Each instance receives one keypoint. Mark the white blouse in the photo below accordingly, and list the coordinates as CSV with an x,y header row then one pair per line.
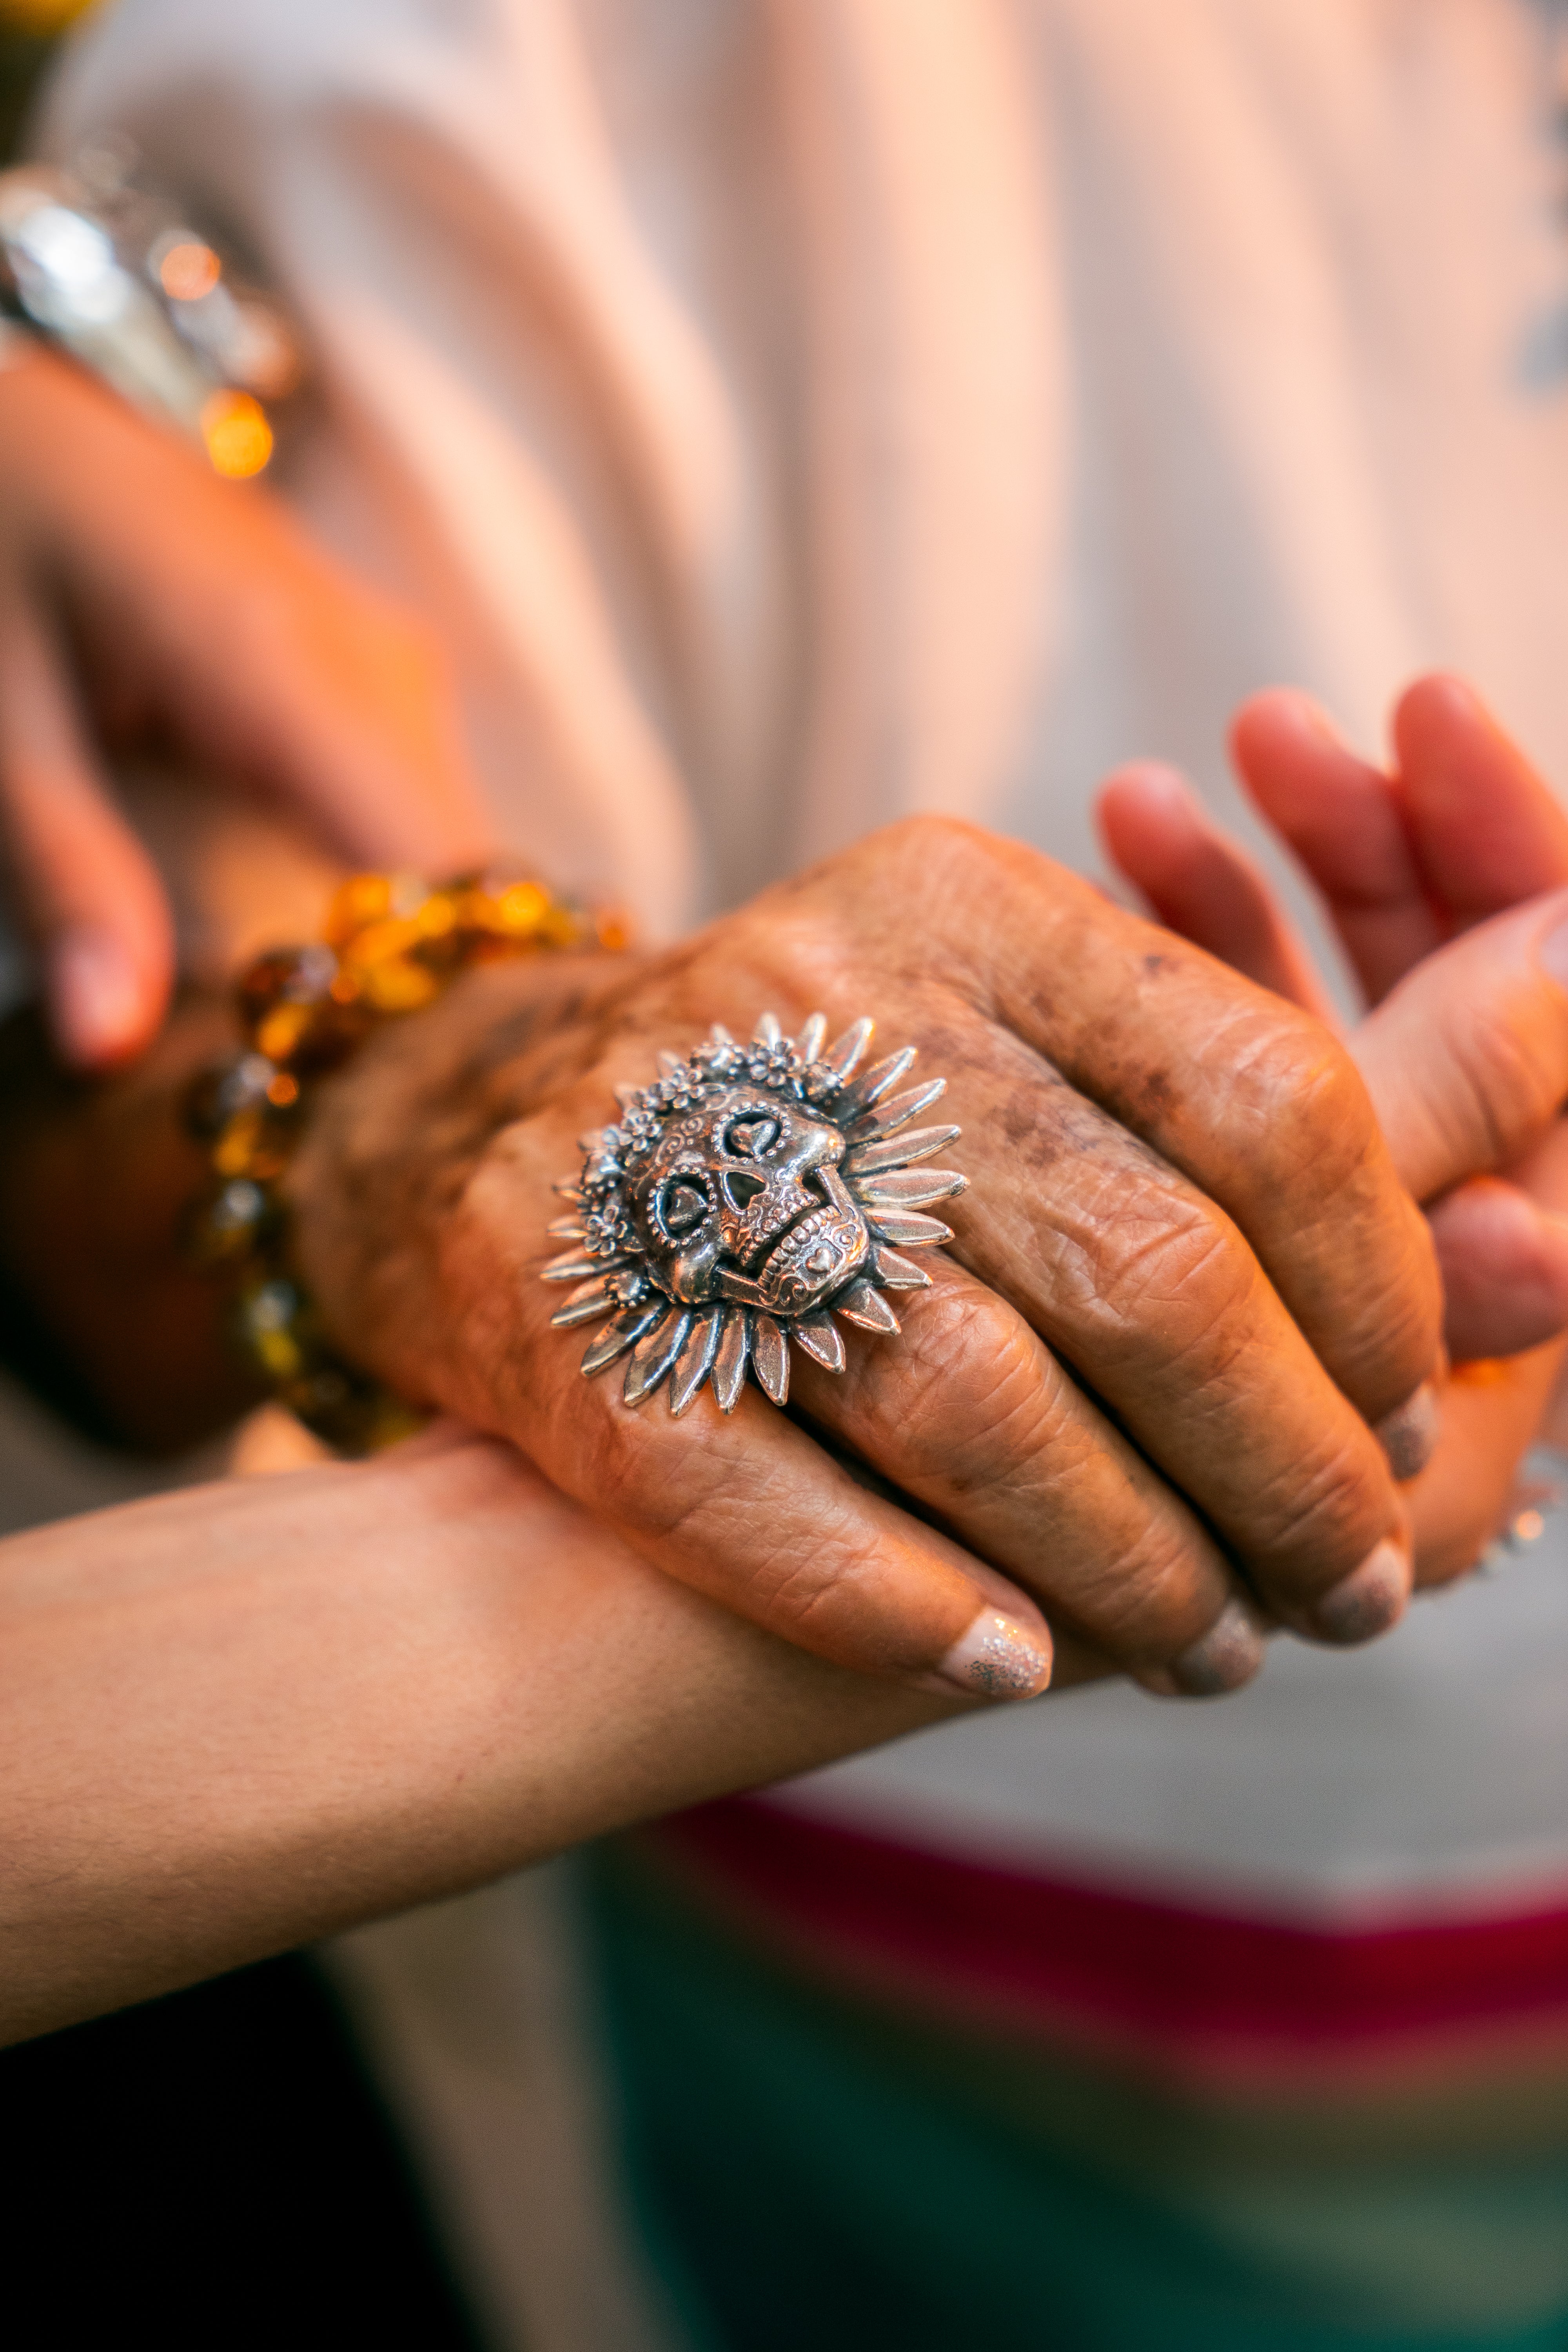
x,y
796,412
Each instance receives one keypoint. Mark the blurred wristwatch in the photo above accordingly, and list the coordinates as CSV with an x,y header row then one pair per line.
x,y
107,269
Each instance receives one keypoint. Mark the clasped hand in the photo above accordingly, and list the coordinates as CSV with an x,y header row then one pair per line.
x,y
1139,1403
1188,1285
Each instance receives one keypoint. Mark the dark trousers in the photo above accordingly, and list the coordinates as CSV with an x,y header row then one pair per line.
x,y
216,2168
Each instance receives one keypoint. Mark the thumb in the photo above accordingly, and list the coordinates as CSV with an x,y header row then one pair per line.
x,y
86,892
1467,1060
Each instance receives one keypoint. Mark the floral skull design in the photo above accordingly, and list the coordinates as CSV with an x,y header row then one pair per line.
x,y
744,1201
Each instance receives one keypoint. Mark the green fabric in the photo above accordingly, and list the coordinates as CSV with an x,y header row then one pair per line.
x,y
808,2171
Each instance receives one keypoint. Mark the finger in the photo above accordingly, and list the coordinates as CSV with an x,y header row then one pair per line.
x,y
970,1415
1485,830
369,749
1491,1411
1138,1280
342,710
1250,1098
87,892
746,1508
1504,1262
1341,818
1468,1059
1202,884
1505,1270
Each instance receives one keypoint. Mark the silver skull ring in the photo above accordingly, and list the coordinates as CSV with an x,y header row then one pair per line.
x,y
745,1198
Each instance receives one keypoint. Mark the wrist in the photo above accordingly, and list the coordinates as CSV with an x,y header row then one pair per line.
x,y
342,1101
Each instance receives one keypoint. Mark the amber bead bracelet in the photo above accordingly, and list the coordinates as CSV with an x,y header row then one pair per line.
x,y
392,943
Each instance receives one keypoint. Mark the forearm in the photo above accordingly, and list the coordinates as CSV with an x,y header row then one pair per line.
x,y
244,1716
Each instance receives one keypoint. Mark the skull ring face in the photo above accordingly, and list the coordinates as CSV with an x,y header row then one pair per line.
x,y
742,1202
745,1200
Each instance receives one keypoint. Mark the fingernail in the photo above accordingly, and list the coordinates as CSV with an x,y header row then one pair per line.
x,y
996,1659
95,996
1367,1602
1225,1657
1409,1434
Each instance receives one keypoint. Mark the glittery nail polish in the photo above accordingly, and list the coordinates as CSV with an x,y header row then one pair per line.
x,y
1225,1657
1367,1602
1410,1433
995,1658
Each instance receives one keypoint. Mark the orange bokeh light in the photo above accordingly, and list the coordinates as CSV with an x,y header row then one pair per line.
x,y
189,270
238,437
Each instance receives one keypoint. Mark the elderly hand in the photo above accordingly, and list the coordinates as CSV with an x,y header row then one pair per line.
x,y
1466,1054
145,604
1185,1286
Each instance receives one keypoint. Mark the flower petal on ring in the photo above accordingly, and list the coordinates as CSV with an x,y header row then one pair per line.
x,y
907,1188
909,1228
876,1080
587,1304
770,1359
574,1266
897,1110
844,1055
818,1335
730,1364
694,1360
654,1354
624,1333
899,1150
901,1273
860,1304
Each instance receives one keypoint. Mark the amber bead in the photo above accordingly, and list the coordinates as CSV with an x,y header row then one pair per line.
x,y
268,1313
402,986
362,898
326,1035
392,943
229,1087
279,1032
379,942
251,1145
301,976
226,1224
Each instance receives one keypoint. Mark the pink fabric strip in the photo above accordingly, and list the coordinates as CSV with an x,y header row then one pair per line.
x,y
1192,1986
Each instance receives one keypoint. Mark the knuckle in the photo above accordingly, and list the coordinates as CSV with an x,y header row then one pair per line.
x,y
931,844
1149,1599
1310,1120
1493,1090
1315,1516
1168,1271
944,867
973,1386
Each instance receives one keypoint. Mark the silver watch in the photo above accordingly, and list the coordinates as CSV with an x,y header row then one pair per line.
x,y
116,274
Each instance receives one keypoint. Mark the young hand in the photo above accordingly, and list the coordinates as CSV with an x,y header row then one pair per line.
x,y
146,604
1466,1050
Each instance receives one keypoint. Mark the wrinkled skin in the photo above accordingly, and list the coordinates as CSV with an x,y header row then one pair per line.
x,y
1186,1282
1443,874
